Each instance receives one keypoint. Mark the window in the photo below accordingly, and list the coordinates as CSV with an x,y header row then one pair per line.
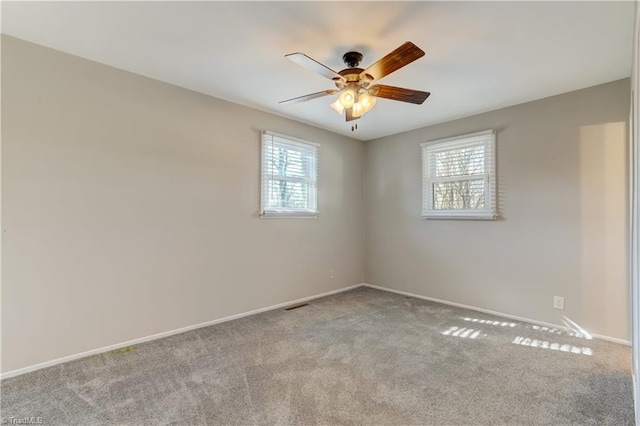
x,y
458,177
289,177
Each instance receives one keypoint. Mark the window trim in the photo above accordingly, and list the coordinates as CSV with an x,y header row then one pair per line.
x,y
430,147
285,213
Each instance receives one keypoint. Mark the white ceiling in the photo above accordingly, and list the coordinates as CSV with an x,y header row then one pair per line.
x,y
480,55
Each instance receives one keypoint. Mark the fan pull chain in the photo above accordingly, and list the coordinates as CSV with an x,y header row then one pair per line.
x,y
354,127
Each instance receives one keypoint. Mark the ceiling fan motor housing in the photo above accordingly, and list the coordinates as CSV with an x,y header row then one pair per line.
x,y
352,59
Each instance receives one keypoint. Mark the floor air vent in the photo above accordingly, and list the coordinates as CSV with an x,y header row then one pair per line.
x,y
291,308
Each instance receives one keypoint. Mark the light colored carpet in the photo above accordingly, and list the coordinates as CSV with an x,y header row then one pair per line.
x,y
361,357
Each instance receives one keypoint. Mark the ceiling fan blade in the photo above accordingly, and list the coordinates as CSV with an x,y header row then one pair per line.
x,y
395,60
313,65
398,94
306,98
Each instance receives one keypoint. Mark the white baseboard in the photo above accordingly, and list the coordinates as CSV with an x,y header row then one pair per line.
x,y
109,348
636,397
500,314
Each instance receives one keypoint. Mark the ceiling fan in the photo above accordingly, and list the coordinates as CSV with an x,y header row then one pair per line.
x,y
357,94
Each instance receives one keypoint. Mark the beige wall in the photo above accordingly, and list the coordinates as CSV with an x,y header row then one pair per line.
x,y
562,173
130,208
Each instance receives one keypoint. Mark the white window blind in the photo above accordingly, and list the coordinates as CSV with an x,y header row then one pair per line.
x,y
458,177
289,176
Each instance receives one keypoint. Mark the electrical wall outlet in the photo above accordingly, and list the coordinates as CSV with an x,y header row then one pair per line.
x,y
558,302
330,274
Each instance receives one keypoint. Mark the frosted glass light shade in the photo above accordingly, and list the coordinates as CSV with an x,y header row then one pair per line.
x,y
348,98
367,101
358,110
338,107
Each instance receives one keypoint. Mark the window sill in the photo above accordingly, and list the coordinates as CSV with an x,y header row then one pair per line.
x,y
288,215
463,216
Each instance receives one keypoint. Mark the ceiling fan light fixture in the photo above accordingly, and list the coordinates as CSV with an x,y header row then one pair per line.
x,y
364,105
356,96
